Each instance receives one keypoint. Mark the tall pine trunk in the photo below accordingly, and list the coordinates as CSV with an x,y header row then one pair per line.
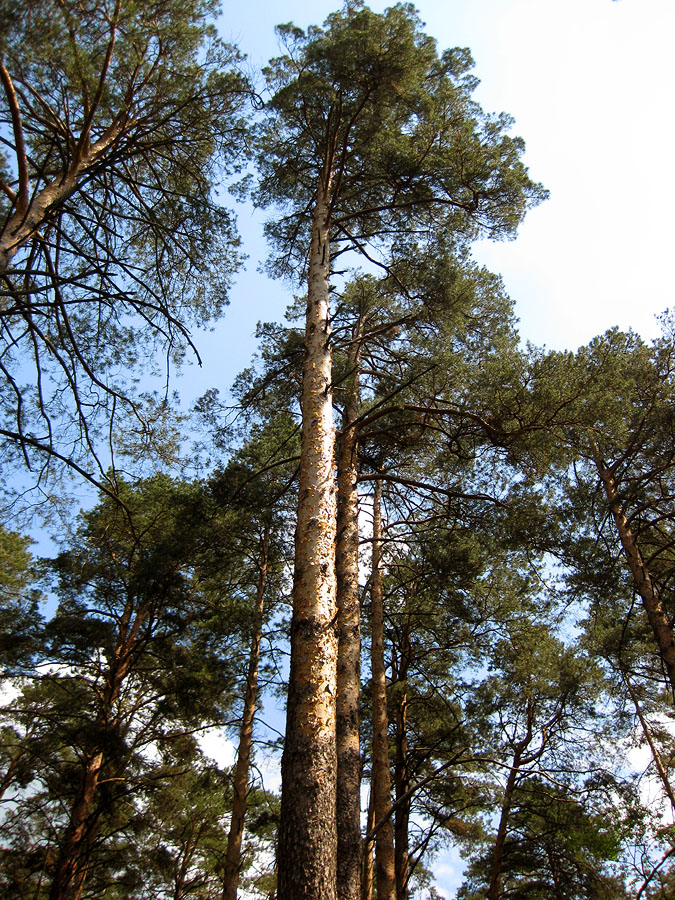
x,y
348,811
307,831
368,848
70,872
75,849
385,870
233,853
73,860
401,775
497,862
656,614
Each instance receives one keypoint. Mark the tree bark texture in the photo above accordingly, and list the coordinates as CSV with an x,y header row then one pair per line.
x,y
73,861
307,833
656,614
495,885
234,838
348,810
368,848
385,869
401,775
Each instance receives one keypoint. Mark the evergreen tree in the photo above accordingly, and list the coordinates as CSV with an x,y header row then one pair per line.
x,y
119,120
20,614
370,132
132,661
561,844
256,488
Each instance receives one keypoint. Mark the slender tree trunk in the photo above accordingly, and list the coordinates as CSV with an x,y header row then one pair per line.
x,y
233,853
495,888
73,861
307,832
181,885
646,730
555,871
656,614
519,760
348,811
401,775
381,779
368,848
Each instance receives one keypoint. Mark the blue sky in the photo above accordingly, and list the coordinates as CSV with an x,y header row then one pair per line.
x,y
589,83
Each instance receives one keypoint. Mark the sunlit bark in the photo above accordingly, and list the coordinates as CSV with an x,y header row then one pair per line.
x,y
307,832
656,614
385,871
348,810
368,849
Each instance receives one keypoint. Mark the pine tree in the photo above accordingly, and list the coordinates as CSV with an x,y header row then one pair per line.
x,y
131,660
119,120
371,135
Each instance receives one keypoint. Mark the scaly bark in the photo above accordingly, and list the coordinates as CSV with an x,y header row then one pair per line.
x,y
368,848
385,869
656,614
401,774
348,806
307,832
233,853
71,868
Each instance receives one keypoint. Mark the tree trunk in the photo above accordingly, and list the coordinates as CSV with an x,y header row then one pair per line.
x,y
401,775
656,614
307,832
368,848
33,209
519,759
646,730
495,888
182,887
348,811
233,853
73,861
381,779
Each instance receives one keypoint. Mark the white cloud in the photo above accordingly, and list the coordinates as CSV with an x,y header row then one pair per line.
x,y
215,744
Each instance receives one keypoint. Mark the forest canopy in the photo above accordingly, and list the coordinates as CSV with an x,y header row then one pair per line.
x,y
442,555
